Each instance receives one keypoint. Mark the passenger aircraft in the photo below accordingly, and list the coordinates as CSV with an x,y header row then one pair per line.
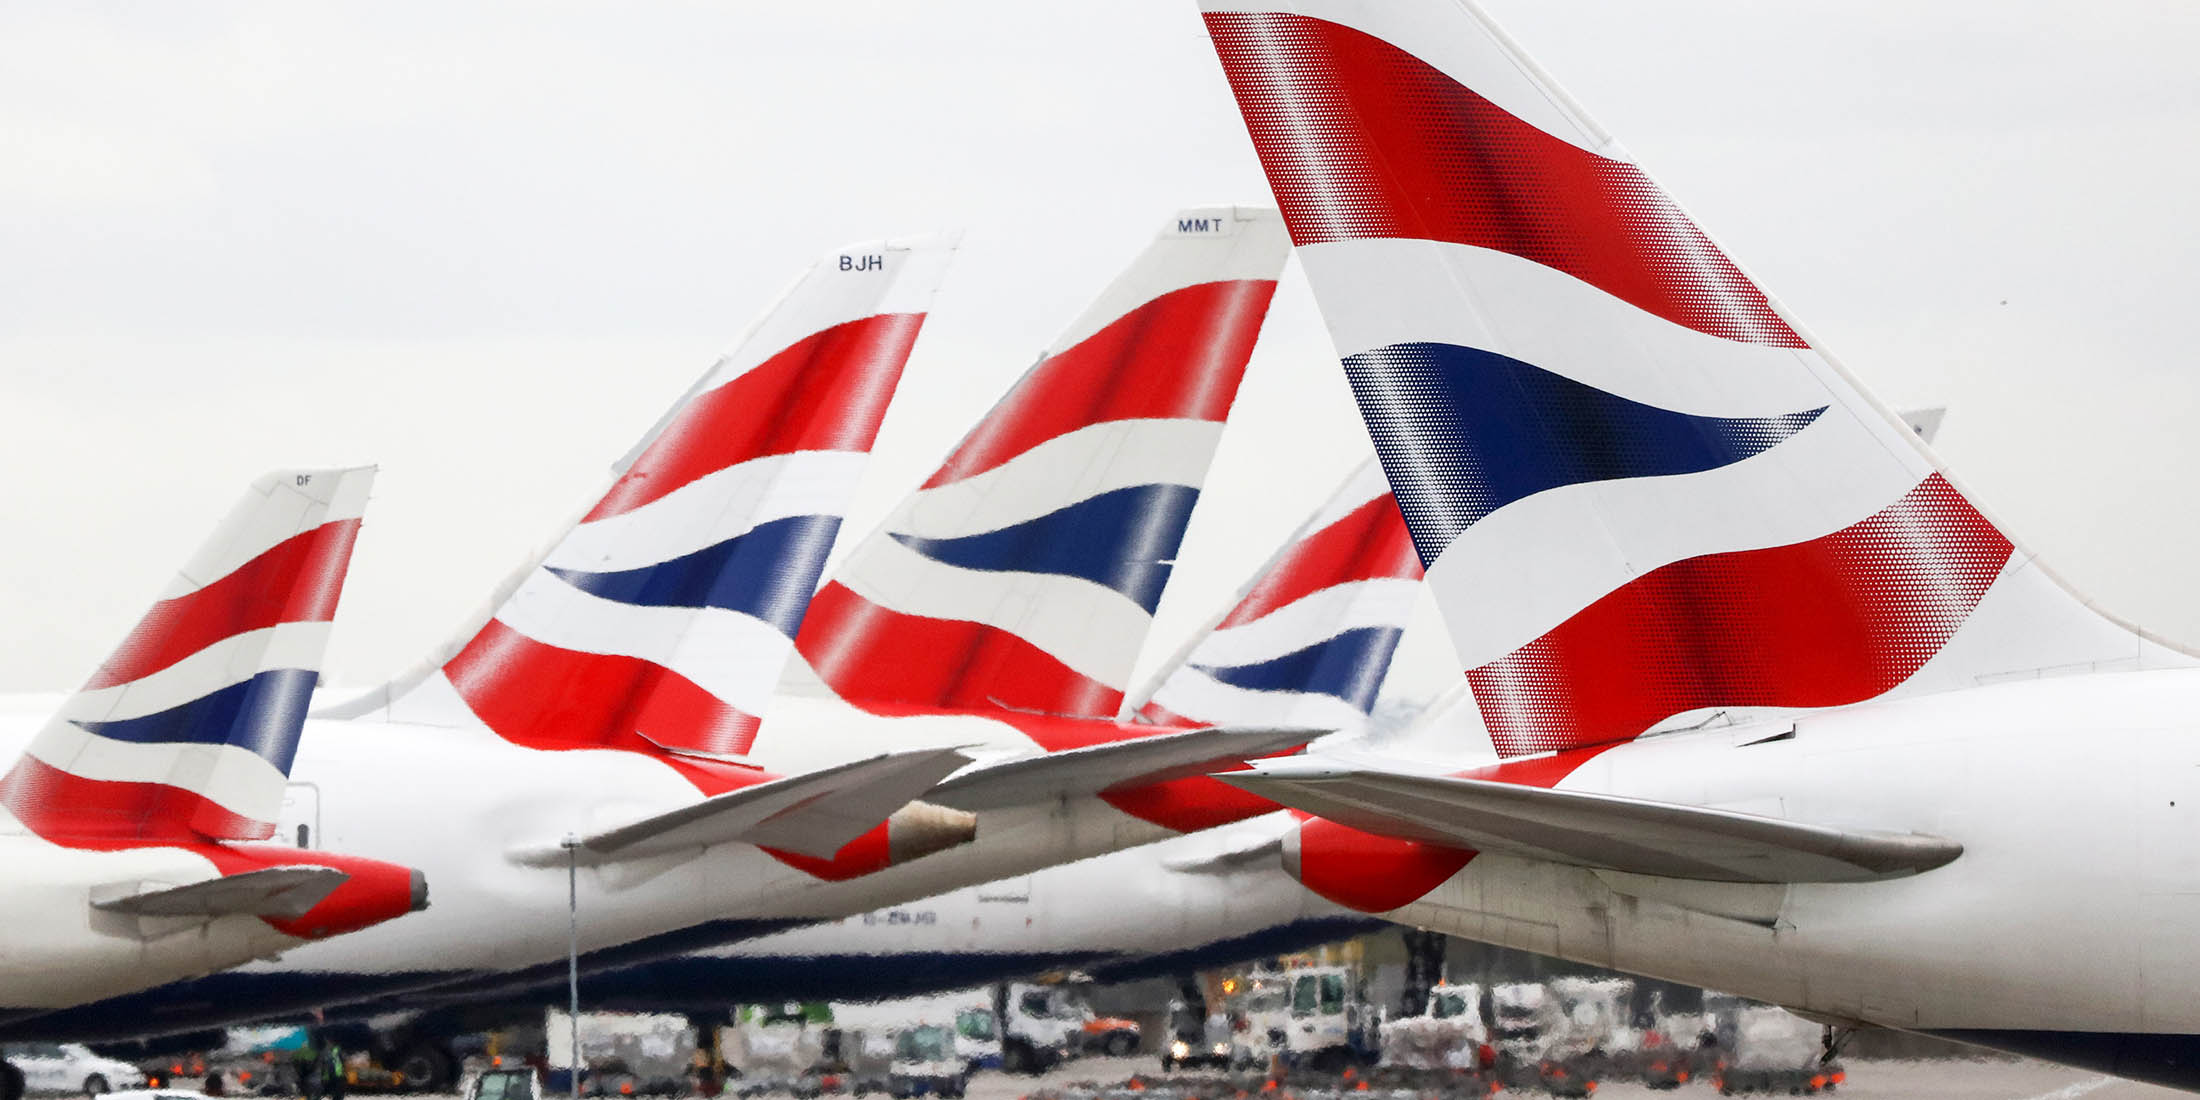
x,y
629,670
125,826
1777,710
1307,644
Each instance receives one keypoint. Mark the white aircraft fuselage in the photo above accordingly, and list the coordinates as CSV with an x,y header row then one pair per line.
x,y
60,950
482,819
2076,801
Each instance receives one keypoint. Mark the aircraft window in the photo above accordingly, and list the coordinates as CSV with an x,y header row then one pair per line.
x,y
500,1086
925,1043
305,836
975,1023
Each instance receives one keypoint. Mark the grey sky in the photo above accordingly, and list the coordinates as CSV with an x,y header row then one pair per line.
x,y
484,244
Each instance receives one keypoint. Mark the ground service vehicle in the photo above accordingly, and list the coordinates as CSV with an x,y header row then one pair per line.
x,y
1450,1032
1332,1026
926,1063
1524,1022
1041,1025
505,1084
1764,1048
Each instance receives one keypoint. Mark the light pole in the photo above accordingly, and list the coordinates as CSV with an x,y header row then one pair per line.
x,y
572,845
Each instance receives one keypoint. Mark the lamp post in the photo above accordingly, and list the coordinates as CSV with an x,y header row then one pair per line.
x,y
572,845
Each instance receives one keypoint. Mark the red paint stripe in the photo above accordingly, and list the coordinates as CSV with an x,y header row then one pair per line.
x,y
1177,357
1363,140
861,856
1832,621
375,892
297,580
883,661
1155,714
96,813
826,392
1371,873
1190,804
1184,805
544,697
1375,874
1369,542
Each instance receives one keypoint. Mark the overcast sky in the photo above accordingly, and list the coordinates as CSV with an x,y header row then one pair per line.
x,y
484,245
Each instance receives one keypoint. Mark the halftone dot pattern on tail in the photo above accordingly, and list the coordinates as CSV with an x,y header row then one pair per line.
x,y
187,731
1466,432
1023,575
1834,621
1362,139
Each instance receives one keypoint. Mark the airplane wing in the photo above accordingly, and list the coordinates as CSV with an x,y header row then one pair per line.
x,y
1601,831
812,814
282,892
1091,770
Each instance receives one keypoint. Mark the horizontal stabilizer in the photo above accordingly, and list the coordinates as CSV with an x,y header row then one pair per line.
x,y
282,892
1075,773
813,814
1602,831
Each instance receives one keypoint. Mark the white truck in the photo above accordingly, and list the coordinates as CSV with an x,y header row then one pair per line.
x,y
1331,1023
1524,1020
1594,1039
1260,1015
1042,1024
1762,1048
1449,1033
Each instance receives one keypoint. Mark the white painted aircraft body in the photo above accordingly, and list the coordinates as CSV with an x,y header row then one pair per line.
x,y
1760,700
121,815
484,809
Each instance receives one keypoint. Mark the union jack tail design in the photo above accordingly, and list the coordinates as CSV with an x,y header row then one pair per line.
x,y
185,734
1025,572
1642,494
662,620
1309,642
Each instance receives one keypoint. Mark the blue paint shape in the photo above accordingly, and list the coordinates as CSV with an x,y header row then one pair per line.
x,y
263,715
1125,540
768,571
1349,666
1463,432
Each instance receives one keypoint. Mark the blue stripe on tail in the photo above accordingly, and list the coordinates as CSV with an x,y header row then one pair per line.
x,y
768,572
262,715
1126,540
1349,666
1464,432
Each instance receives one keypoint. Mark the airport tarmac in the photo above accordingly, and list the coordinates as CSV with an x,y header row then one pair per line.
x,y
1931,1080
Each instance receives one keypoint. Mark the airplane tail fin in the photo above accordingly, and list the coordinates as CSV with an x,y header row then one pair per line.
x,y
1309,642
1642,494
662,619
187,731
1024,574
